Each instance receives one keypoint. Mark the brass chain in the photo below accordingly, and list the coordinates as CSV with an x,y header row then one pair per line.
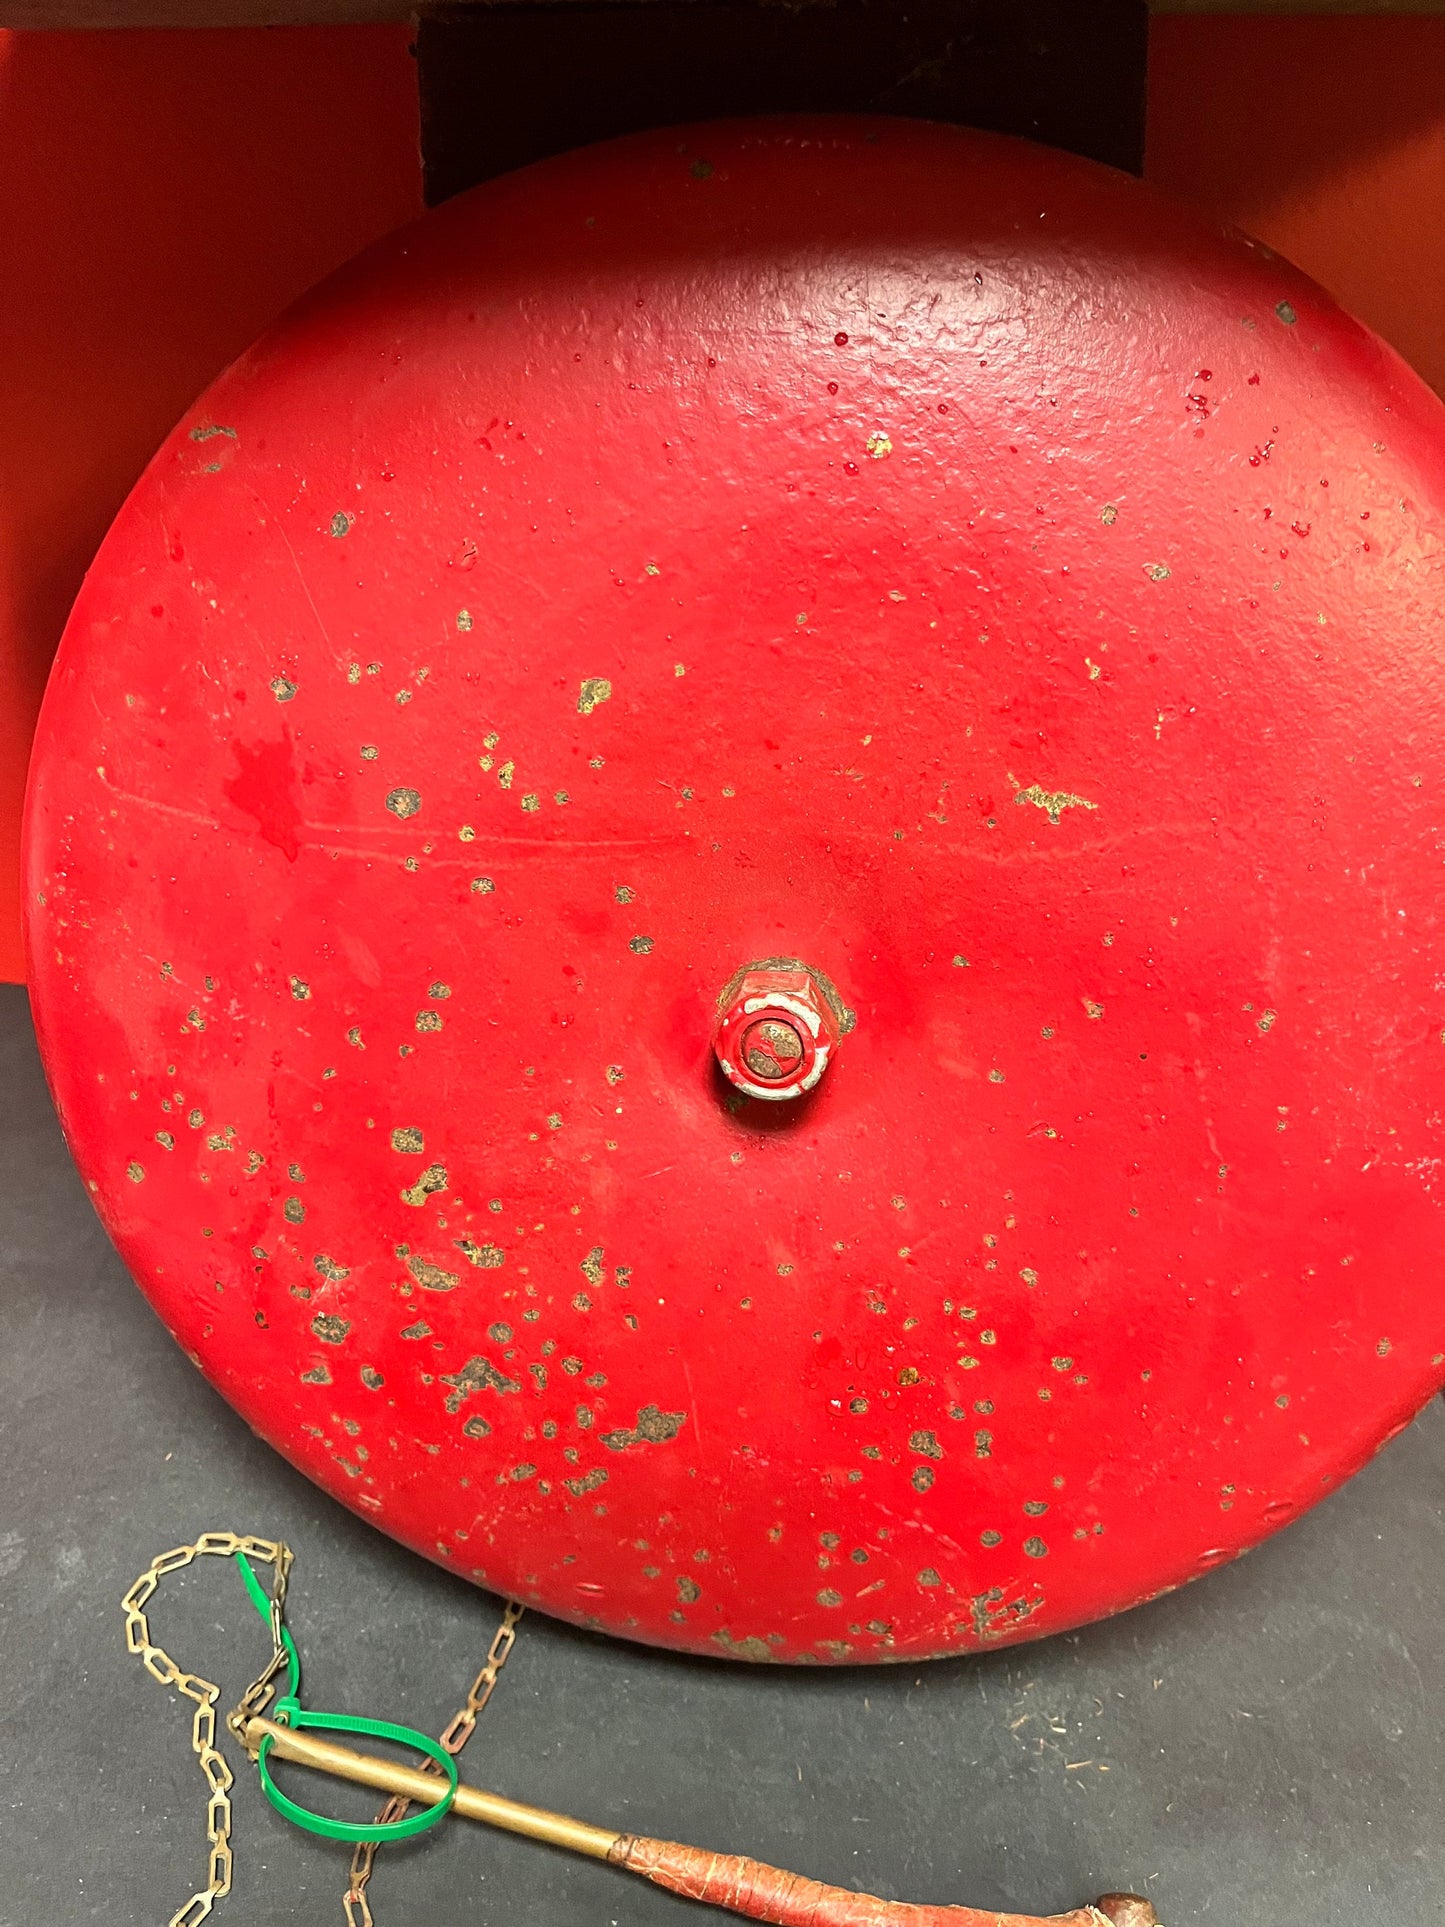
x,y
161,1667
354,1903
205,1693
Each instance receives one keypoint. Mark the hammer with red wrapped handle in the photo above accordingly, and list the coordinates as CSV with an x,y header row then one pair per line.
x,y
741,1885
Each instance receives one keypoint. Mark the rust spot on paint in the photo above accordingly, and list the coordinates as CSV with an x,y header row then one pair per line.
x,y
750,1647
489,1257
431,1277
434,1178
653,1427
1053,802
477,1375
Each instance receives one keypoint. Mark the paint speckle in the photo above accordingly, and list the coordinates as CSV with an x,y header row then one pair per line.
x,y
135,1172
282,689
294,1211
403,802
640,945
653,1427
329,1328
434,1178
1036,1549
477,1375
879,446
482,886
1053,802
594,690
488,1257
432,1277
341,523
1109,514
1286,313
1267,1020
1157,571
407,1139
300,989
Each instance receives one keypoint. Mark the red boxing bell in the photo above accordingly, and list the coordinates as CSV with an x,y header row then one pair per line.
x,y
660,587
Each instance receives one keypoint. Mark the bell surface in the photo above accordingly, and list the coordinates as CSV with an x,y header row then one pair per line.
x,y
732,885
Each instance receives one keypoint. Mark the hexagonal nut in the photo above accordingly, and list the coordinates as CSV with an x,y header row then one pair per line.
x,y
777,1028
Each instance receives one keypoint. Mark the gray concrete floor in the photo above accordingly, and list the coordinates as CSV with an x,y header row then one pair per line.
x,y
1264,1747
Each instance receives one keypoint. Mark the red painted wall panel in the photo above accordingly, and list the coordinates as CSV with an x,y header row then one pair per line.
x,y
164,196
1326,138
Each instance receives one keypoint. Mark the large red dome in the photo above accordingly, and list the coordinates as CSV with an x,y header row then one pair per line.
x,y
920,558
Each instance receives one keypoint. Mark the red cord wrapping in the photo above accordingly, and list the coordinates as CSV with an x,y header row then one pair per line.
x,y
767,1893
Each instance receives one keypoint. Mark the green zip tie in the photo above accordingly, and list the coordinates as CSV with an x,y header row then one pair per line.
x,y
288,1711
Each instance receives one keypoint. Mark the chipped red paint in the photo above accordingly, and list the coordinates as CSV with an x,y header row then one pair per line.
x,y
918,553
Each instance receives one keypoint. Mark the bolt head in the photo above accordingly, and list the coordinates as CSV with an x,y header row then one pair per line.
x,y
776,1031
